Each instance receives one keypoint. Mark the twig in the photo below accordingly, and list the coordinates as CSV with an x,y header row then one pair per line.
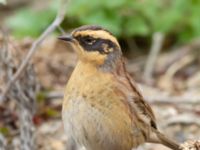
x,y
57,21
177,66
151,99
173,99
180,52
61,30
54,95
154,52
2,142
183,119
194,80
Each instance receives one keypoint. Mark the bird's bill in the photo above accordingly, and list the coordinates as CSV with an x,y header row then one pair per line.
x,y
67,38
72,41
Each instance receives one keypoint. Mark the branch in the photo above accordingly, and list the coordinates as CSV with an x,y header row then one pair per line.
x,y
173,99
180,52
57,21
2,142
155,49
151,99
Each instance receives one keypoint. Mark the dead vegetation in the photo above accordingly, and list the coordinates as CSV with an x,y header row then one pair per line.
x,y
33,74
173,94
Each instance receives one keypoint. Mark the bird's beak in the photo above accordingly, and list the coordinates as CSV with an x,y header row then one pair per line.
x,y
67,38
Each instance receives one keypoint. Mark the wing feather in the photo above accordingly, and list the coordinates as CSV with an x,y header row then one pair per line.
x,y
133,96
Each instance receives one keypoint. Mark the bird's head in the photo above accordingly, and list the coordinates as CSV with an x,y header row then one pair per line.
x,y
95,45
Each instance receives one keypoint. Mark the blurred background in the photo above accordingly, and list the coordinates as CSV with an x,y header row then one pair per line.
x,y
160,41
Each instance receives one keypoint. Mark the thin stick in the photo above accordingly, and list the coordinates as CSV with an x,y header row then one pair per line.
x,y
151,99
154,52
57,21
2,142
186,100
61,30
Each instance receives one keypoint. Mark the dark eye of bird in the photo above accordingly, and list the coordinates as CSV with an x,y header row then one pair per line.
x,y
89,40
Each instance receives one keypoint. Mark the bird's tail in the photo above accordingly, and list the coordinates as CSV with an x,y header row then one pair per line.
x,y
157,137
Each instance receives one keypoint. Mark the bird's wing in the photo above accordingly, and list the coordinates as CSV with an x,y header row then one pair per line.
x,y
142,105
134,98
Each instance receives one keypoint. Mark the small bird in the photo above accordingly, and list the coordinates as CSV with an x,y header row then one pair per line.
x,y
102,107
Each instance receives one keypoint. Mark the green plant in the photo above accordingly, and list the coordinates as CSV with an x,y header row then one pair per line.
x,y
141,17
125,18
29,22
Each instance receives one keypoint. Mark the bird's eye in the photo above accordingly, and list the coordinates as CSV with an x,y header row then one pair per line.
x,y
89,40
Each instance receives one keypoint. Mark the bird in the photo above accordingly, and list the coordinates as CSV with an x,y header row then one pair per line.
x,y
102,107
